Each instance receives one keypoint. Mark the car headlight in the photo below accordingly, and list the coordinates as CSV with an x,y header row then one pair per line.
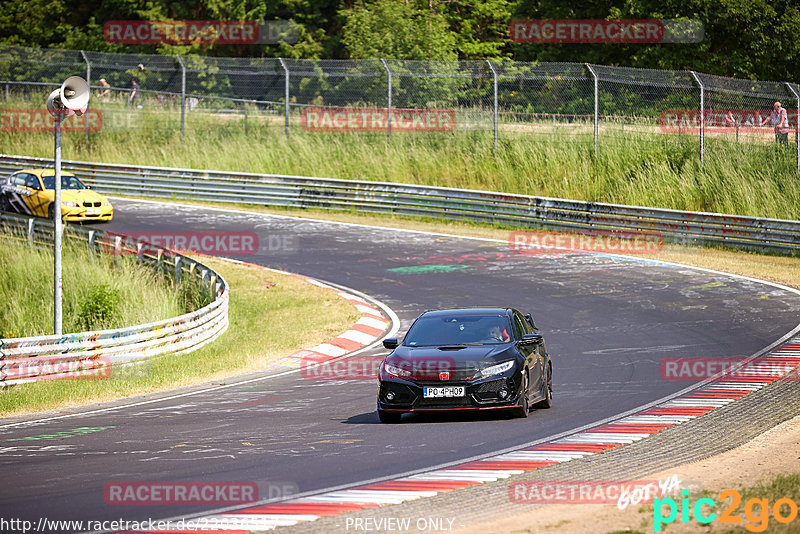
x,y
495,369
69,204
396,371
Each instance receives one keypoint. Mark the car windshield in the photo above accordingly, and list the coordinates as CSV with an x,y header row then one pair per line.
x,y
457,329
67,182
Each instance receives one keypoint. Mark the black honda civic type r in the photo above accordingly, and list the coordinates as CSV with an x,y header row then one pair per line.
x,y
466,359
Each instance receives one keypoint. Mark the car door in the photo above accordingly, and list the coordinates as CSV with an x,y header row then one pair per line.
x,y
17,193
38,201
532,352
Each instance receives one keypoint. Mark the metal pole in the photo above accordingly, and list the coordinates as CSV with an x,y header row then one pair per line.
x,y
596,106
797,123
57,229
389,100
494,119
183,94
702,117
286,97
88,81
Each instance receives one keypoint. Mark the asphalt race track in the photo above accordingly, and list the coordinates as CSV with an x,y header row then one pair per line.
x,y
607,320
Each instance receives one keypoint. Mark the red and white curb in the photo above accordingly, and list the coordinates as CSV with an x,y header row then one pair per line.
x,y
709,396
369,328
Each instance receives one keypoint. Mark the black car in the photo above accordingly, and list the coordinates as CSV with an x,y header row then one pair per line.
x,y
466,359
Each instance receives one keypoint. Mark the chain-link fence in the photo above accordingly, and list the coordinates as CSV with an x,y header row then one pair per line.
x,y
385,97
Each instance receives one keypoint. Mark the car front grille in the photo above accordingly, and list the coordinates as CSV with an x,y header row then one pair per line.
x,y
91,204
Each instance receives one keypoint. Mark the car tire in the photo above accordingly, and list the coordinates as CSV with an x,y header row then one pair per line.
x,y
50,210
5,205
547,402
389,418
525,409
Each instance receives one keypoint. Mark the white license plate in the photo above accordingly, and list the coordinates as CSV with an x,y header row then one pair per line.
x,y
93,211
447,391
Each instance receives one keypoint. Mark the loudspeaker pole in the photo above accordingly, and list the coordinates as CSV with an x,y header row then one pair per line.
x,y
72,97
57,289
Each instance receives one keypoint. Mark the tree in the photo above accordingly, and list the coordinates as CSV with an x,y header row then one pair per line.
x,y
397,29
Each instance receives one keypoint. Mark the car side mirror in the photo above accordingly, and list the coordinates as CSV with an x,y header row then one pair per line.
x,y
532,339
390,343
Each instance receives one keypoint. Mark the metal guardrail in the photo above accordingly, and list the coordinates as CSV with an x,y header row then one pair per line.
x,y
93,354
439,202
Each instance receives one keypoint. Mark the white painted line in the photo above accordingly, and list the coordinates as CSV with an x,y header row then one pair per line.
x,y
733,385
358,337
656,419
330,350
697,403
372,322
550,456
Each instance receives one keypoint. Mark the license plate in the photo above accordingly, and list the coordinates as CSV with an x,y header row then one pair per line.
x,y
93,211
447,391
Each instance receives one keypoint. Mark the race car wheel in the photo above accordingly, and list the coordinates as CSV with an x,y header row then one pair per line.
x,y
547,402
525,408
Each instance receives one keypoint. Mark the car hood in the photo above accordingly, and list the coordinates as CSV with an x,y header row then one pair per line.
x,y
425,363
81,195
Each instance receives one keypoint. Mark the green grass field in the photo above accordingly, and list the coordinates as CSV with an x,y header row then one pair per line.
x,y
98,292
642,168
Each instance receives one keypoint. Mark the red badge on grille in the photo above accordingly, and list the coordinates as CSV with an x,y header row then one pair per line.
x,y
444,375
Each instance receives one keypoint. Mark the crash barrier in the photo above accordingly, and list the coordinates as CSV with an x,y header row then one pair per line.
x,y
94,354
683,227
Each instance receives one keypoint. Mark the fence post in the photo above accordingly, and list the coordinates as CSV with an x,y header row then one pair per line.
x,y
89,82
596,106
797,123
702,117
494,118
183,93
286,97
388,100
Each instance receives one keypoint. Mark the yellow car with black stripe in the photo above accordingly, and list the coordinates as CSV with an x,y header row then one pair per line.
x,y
31,192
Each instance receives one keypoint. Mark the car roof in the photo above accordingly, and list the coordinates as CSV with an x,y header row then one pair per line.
x,y
469,311
45,172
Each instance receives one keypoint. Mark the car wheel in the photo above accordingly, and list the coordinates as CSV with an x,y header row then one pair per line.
x,y
547,402
525,409
50,209
5,205
389,418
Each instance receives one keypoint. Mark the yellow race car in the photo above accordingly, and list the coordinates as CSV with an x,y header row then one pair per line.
x,y
31,192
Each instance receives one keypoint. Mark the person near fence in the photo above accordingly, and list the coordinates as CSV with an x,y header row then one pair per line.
x,y
133,97
105,89
780,122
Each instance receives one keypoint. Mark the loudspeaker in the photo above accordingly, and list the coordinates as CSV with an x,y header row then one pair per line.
x,y
72,97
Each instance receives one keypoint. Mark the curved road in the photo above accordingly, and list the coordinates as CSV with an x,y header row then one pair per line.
x,y
608,321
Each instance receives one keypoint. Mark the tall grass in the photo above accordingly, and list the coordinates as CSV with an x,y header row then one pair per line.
x,y
98,291
640,168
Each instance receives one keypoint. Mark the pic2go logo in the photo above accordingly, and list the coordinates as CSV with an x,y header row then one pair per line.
x,y
756,511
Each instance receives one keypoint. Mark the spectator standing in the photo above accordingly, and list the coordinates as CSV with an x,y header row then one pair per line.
x,y
132,98
780,122
105,89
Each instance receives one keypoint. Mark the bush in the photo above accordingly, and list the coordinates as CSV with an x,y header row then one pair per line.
x,y
99,307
